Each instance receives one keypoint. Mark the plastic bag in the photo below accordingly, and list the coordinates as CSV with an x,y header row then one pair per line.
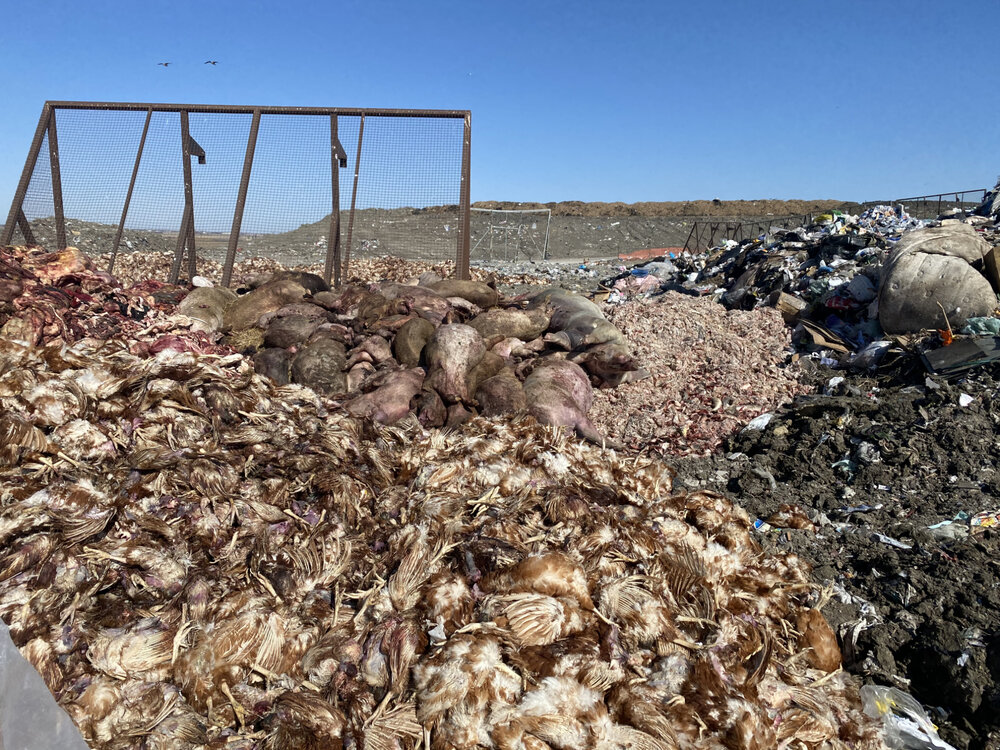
x,y
982,326
905,723
870,357
30,718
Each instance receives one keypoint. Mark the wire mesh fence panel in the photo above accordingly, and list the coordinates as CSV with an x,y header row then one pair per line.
x,y
289,201
157,205
408,192
932,206
96,158
215,178
506,234
267,172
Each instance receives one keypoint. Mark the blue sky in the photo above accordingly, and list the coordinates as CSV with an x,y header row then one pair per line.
x,y
627,101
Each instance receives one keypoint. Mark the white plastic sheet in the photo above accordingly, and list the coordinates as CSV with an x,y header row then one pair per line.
x,y
30,718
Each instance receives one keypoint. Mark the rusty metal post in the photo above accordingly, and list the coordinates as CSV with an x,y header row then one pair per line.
x,y
338,159
465,202
192,254
241,199
691,235
182,235
22,221
16,205
187,222
188,193
128,195
354,197
57,196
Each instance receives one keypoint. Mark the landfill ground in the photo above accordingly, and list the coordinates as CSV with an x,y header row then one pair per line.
x,y
886,482
913,610
583,231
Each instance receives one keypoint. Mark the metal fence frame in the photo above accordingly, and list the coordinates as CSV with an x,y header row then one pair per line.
x,y
507,232
703,234
335,265
940,199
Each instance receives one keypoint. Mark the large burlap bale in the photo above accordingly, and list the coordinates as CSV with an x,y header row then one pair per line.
x,y
931,266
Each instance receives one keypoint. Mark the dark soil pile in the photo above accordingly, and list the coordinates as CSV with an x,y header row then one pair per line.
x,y
873,463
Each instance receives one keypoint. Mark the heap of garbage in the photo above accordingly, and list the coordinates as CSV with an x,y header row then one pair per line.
x,y
857,287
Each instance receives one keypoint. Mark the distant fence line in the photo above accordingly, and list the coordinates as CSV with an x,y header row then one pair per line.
x,y
265,179
930,206
706,234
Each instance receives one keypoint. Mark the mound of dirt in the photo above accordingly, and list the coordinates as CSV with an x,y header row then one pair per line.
x,y
875,465
741,209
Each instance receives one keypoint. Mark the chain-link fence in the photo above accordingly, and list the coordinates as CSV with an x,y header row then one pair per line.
x,y
299,185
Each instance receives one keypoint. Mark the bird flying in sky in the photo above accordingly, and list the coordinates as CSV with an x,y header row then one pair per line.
x,y
164,64
211,62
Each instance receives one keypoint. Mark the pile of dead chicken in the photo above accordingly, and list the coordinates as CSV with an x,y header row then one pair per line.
x,y
445,351
194,556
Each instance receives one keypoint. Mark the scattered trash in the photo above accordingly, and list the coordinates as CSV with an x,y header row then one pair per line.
x,y
860,509
868,453
905,723
948,531
982,327
762,526
845,281
890,541
986,519
759,423
832,384
963,355
965,399
870,357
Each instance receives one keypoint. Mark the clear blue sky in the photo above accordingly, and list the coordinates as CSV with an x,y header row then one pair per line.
x,y
608,101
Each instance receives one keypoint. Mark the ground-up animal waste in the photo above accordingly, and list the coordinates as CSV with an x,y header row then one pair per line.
x,y
719,499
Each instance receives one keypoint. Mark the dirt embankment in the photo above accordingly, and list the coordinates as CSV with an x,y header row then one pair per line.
x,y
689,209
577,230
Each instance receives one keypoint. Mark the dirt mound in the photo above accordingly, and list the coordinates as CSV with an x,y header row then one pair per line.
x,y
876,464
690,209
